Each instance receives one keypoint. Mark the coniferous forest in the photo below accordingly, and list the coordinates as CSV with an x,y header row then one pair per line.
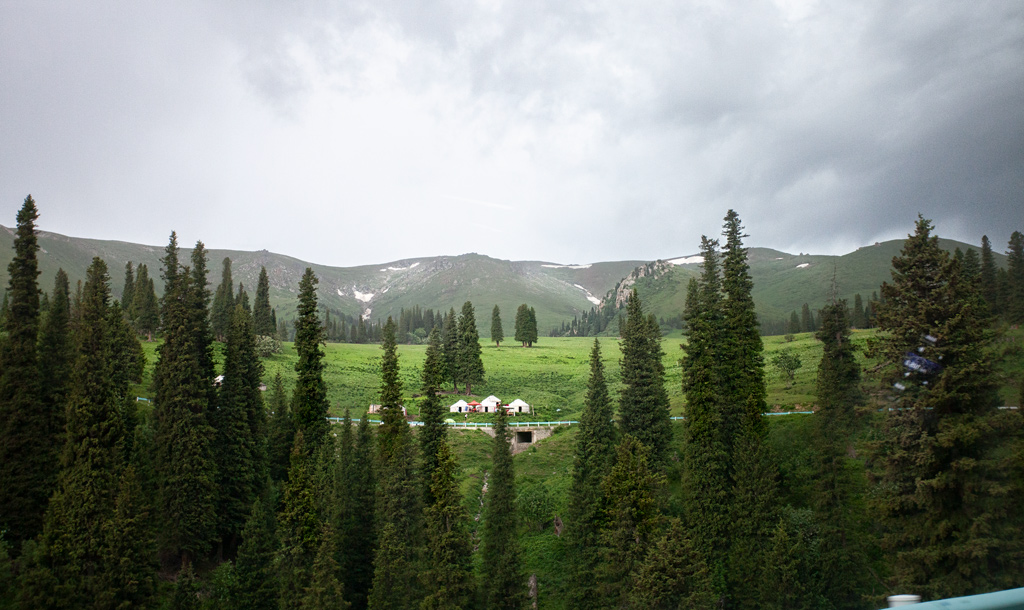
x,y
223,494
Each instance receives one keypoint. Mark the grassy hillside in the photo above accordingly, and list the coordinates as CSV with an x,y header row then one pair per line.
x,y
784,282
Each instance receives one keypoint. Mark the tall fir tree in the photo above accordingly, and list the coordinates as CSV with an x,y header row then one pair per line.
x,y
631,518
27,467
128,292
433,431
92,458
497,333
504,587
129,577
399,512
450,348
987,276
806,319
357,537
256,585
857,319
1015,278
448,581
56,359
145,305
469,362
309,399
522,329
841,561
325,590
706,473
531,318
183,380
643,401
239,421
938,449
280,431
223,303
299,525
592,459
262,314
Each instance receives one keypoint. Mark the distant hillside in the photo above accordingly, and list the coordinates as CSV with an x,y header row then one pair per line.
x,y
782,282
557,292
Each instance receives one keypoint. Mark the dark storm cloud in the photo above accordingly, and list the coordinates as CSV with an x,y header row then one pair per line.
x,y
592,131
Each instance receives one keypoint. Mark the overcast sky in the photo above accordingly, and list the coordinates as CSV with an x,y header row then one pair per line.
x,y
350,133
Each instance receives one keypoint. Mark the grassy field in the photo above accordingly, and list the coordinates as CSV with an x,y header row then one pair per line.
x,y
552,375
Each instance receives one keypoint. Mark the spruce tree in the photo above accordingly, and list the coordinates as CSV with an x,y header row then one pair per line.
x,y
706,473
433,431
56,359
672,575
129,577
262,314
448,581
256,584
450,348
504,585
92,458
27,468
838,392
531,318
806,319
128,292
239,423
1015,278
309,399
470,364
631,517
298,527
643,401
497,334
857,320
325,590
398,495
358,538
794,323
522,324
593,458
281,431
987,276
183,380
223,303
146,305
937,454
742,349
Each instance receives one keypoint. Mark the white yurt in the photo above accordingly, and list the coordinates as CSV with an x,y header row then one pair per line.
x,y
491,401
518,406
459,407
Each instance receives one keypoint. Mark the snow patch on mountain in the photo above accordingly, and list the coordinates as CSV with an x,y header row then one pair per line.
x,y
803,265
687,260
590,297
567,266
365,297
412,266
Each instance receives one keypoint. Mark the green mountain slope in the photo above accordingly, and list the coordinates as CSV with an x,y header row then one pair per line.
x,y
782,282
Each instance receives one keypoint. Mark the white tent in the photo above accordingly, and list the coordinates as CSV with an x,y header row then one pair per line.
x,y
518,406
459,407
491,401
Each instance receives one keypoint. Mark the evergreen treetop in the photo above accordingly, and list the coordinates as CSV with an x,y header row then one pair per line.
x,y
643,401
26,456
497,333
262,314
309,400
